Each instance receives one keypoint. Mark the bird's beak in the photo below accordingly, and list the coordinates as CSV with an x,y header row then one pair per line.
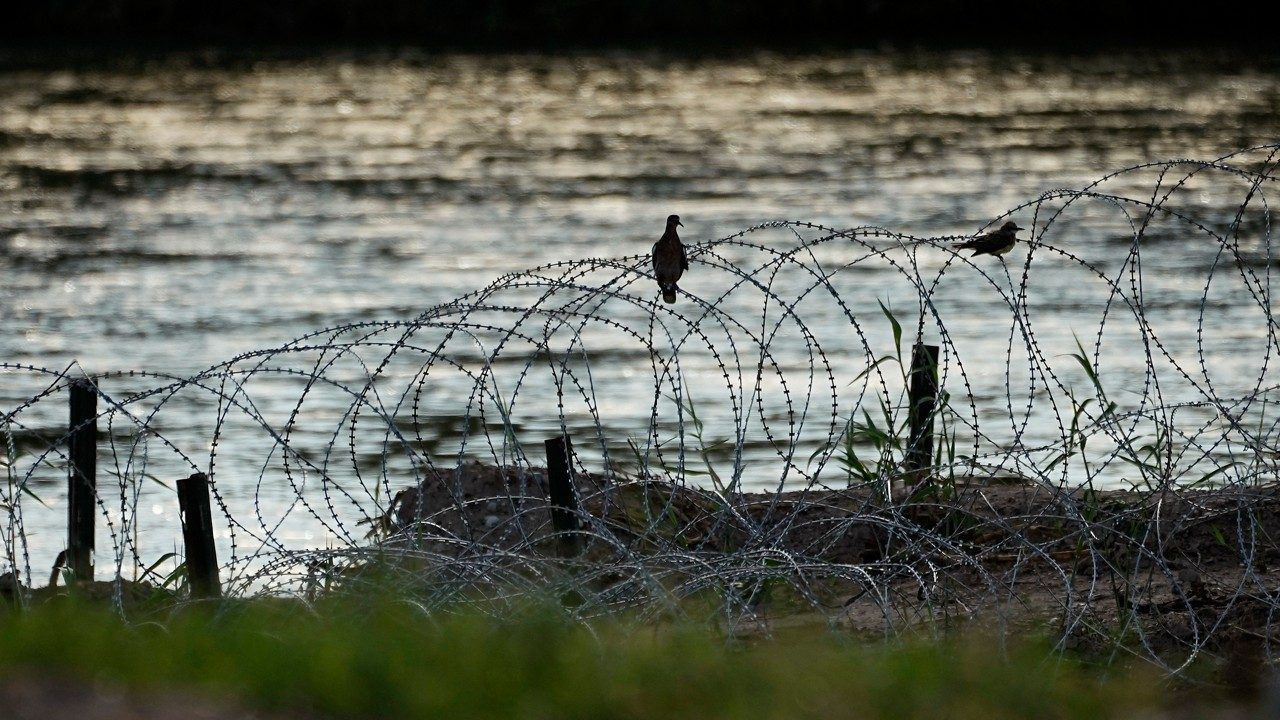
x,y
1015,227
680,223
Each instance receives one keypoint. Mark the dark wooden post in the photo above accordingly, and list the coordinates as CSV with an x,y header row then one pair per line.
x,y
564,504
197,535
82,477
923,397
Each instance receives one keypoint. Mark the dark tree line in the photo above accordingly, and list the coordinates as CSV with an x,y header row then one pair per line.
x,y
686,23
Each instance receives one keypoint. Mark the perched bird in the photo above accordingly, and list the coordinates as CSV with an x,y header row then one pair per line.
x,y
669,260
58,563
996,242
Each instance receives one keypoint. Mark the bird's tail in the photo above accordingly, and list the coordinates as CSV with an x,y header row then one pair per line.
x,y
669,293
58,563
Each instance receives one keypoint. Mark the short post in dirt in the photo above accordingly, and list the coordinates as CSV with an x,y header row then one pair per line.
x,y
923,396
564,502
82,477
197,535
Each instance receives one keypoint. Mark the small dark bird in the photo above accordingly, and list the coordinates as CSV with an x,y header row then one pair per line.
x,y
996,242
669,260
58,563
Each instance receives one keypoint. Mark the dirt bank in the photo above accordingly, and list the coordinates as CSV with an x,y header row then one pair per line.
x,y
1171,571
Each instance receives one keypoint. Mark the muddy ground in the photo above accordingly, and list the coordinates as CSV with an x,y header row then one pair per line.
x,y
1168,573
32,695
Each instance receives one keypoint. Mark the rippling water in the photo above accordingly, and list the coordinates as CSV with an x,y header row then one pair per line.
x,y
168,216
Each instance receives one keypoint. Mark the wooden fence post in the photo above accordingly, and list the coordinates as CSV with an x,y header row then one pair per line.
x,y
564,504
923,397
82,477
197,535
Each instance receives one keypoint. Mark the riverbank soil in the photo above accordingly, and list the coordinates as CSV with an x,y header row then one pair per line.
x,y
1168,572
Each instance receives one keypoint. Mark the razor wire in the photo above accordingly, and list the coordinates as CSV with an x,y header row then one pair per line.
x,y
1113,485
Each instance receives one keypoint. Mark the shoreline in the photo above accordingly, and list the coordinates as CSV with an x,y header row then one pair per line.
x,y
1072,561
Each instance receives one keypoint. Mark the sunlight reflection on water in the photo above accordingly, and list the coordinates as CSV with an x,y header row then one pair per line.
x,y
172,217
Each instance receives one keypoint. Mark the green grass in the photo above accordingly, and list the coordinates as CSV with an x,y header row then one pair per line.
x,y
387,659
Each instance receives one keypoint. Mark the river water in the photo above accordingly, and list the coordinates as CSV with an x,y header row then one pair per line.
x,y
168,215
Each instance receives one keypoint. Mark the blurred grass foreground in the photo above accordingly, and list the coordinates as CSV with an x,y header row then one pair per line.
x,y
384,659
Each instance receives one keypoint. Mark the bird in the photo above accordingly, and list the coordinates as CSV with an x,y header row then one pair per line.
x,y
58,563
996,242
669,260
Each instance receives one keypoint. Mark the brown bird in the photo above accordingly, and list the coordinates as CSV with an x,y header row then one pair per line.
x,y
669,260
996,242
